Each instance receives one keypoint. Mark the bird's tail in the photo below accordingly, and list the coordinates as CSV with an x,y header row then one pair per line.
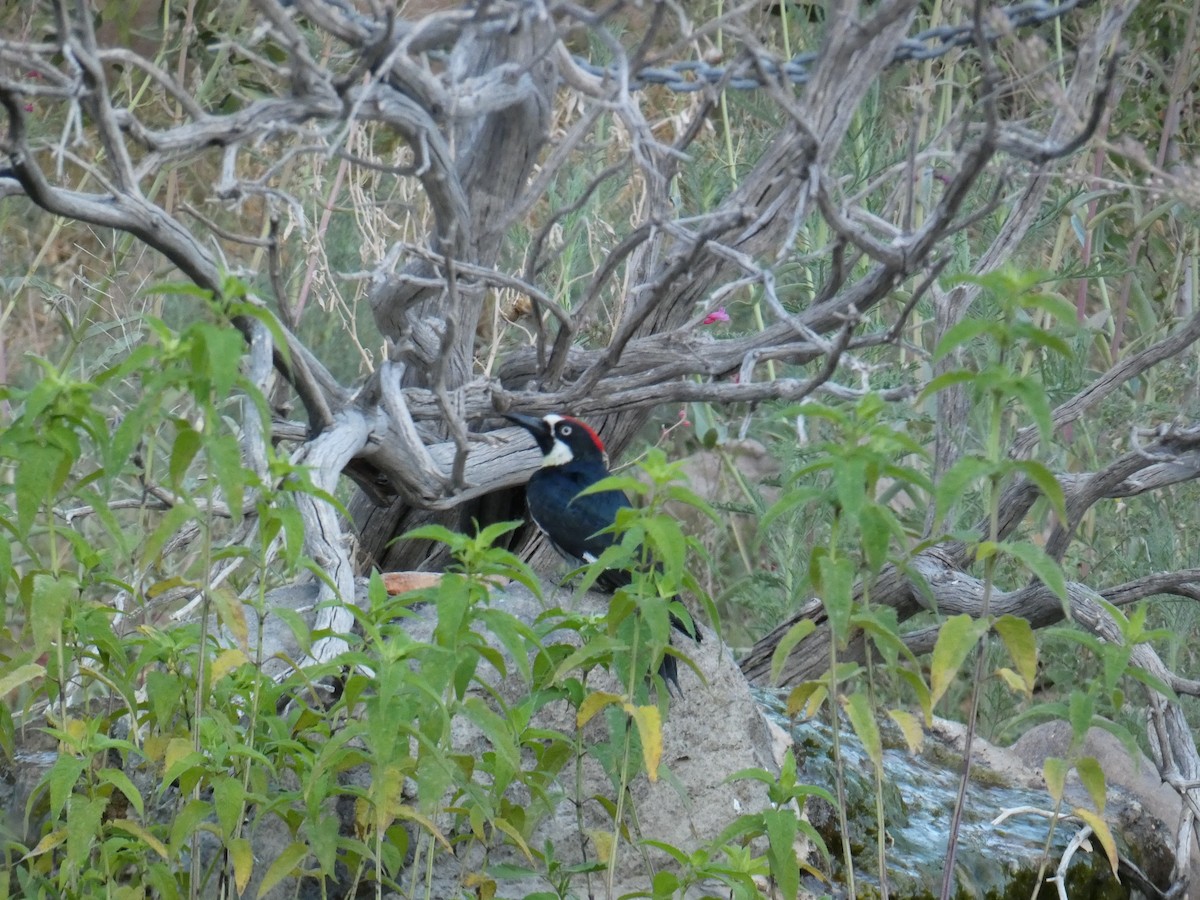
x,y
669,671
669,668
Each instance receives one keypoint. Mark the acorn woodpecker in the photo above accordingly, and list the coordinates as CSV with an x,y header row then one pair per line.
x,y
573,458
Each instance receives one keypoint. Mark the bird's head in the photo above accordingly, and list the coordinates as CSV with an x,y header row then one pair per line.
x,y
561,438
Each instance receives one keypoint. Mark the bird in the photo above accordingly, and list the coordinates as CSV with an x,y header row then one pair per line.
x,y
573,459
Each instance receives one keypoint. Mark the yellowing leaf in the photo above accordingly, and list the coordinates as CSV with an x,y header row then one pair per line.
x,y
1103,834
649,725
282,867
806,698
177,749
362,816
483,885
787,643
1055,772
592,704
49,842
1092,777
507,827
386,788
407,812
48,608
604,843
233,615
862,719
76,729
227,661
155,746
956,639
242,856
19,676
1018,638
1015,682
133,828
910,727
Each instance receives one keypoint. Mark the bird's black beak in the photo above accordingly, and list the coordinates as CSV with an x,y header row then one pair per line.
x,y
536,427
532,424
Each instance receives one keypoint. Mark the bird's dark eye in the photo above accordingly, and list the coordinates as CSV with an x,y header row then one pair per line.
x,y
564,430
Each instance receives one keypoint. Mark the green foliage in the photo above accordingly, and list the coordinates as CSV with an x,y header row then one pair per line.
x,y
86,591
175,749
863,457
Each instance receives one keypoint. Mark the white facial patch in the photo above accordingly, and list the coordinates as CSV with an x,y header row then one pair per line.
x,y
560,454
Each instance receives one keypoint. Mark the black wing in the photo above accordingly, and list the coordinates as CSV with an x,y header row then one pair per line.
x,y
572,522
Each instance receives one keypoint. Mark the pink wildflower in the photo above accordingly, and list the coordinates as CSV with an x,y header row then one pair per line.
x,y
717,315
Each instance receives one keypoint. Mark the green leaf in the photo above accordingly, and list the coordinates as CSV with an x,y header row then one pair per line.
x,y
625,483
183,451
226,458
862,719
780,825
877,525
787,643
121,782
498,732
1019,640
83,827
668,546
1054,770
1116,661
228,795
1092,777
283,866
133,828
48,608
963,332
223,347
490,534
38,477
437,533
62,778
1045,481
835,586
956,639
518,638
882,626
1043,567
921,689
1058,307
1032,394
6,569
1080,708
1153,682
172,520
22,674
514,835
164,692
850,486
966,473
792,499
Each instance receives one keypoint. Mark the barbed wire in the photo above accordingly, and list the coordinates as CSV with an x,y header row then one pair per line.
x,y
686,76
